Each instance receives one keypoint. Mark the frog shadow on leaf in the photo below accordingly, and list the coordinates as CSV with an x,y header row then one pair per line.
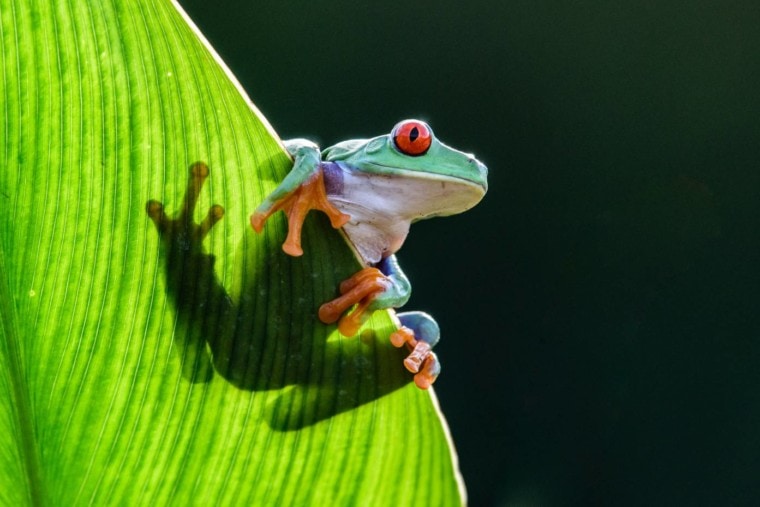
x,y
251,336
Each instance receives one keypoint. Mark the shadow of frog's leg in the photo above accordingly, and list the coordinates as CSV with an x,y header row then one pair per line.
x,y
183,220
199,299
420,333
302,190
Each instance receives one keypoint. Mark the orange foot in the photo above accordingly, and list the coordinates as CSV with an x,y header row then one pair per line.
x,y
360,290
296,205
421,361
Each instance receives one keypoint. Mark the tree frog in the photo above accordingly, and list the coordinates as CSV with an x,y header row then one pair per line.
x,y
374,189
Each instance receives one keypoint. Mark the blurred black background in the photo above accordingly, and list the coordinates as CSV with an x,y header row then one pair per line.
x,y
599,309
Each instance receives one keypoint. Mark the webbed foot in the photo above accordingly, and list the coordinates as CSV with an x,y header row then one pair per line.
x,y
296,205
183,222
419,339
361,290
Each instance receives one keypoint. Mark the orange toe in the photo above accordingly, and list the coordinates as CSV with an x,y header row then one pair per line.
x,y
258,219
428,372
421,351
402,336
349,324
423,381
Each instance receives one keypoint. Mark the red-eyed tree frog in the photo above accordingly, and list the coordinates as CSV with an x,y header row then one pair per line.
x,y
374,189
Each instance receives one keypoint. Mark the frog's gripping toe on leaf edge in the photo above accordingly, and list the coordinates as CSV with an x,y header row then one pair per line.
x,y
422,361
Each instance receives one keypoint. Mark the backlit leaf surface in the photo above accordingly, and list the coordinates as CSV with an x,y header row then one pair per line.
x,y
161,369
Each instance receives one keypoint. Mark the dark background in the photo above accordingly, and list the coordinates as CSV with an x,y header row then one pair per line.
x,y
601,338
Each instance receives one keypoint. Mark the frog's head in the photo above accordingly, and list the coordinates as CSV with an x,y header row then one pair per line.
x,y
457,181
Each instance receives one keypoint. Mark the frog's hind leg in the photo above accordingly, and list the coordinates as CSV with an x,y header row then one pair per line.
x,y
199,171
419,332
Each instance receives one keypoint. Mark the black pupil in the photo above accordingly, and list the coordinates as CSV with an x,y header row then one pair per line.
x,y
414,134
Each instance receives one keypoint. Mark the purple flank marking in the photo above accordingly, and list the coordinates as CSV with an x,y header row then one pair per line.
x,y
333,178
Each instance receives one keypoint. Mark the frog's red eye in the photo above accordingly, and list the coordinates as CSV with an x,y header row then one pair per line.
x,y
412,137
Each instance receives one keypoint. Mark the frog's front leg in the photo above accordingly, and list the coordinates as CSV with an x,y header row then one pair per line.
x,y
302,190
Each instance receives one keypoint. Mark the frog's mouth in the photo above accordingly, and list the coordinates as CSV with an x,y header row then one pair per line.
x,y
440,196
476,178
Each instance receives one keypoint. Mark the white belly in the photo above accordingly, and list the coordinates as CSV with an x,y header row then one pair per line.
x,y
382,207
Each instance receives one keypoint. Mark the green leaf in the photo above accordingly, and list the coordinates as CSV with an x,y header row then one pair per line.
x,y
168,368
